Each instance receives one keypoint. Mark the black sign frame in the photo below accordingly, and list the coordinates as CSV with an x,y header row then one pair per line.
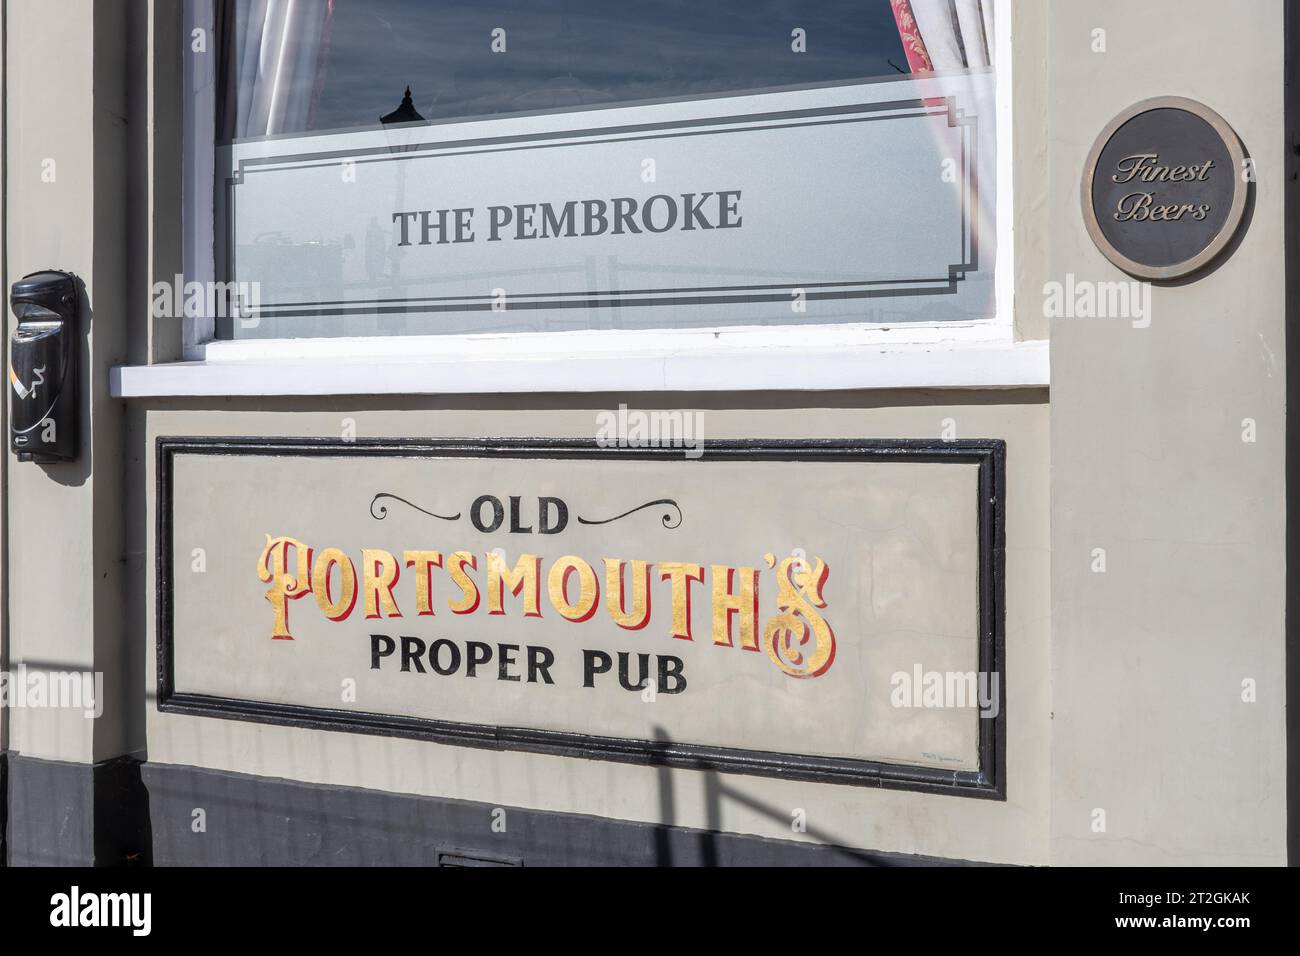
x,y
989,455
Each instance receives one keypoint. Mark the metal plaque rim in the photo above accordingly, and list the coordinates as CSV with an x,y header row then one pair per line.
x,y
1235,212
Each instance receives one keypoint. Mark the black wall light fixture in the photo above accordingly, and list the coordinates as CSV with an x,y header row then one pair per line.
x,y
43,367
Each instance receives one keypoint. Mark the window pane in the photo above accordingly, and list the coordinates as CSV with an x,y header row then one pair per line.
x,y
592,165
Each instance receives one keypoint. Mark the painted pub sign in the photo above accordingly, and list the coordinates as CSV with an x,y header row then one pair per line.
x,y
771,607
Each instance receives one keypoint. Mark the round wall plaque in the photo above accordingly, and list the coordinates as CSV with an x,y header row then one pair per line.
x,y
1164,189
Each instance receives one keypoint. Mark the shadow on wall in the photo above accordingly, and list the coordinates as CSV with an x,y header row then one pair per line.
x,y
706,840
125,812
217,818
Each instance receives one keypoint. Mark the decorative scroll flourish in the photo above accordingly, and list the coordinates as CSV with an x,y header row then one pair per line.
x,y
382,511
666,520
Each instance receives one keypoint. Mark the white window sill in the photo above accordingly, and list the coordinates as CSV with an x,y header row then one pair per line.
x,y
423,367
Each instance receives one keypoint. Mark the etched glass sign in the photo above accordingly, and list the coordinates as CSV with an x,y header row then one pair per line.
x,y
688,169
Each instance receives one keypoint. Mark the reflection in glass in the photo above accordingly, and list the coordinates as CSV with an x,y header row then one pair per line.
x,y
870,193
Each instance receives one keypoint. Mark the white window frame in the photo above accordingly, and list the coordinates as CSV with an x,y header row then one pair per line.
x,y
967,354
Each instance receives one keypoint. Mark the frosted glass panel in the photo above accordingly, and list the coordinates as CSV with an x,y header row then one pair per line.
x,y
678,169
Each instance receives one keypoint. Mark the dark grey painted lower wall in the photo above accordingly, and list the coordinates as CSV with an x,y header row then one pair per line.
x,y
123,813
75,814
4,807
259,821
50,814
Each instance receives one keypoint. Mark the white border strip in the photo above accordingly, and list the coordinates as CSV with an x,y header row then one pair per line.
x,y
1022,365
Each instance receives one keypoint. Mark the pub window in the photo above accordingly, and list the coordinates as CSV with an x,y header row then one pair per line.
x,y
406,167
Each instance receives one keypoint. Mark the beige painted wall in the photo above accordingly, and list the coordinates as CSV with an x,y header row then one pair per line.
x,y
1029,188
65,197
28,249
1148,463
